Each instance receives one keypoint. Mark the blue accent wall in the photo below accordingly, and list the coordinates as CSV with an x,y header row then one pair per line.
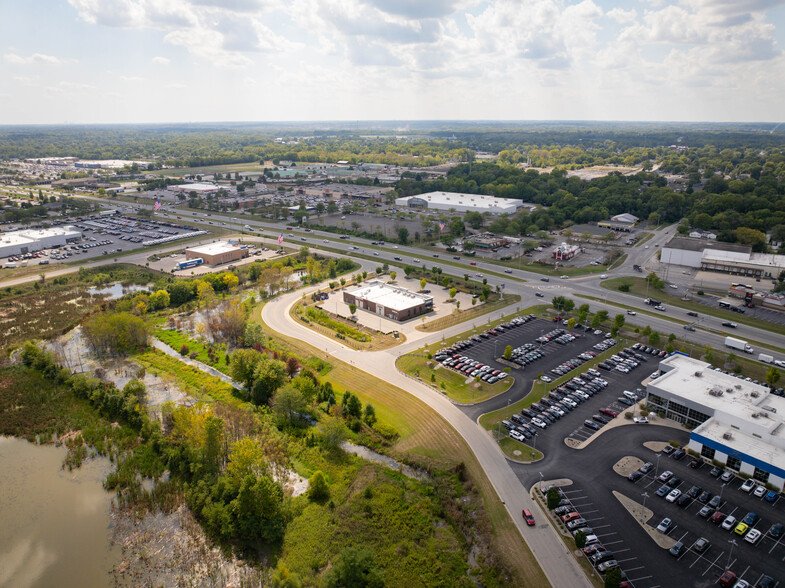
x,y
761,465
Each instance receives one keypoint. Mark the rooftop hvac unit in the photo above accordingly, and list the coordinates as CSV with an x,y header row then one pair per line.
x,y
737,386
727,436
715,392
770,409
698,374
754,393
755,415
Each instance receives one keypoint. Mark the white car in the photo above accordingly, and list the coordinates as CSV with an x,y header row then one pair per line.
x,y
640,420
538,423
760,491
729,523
752,536
665,476
664,525
747,486
673,495
603,276
631,312
546,378
517,436
564,277
674,286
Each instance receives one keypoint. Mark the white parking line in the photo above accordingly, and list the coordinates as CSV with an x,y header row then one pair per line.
x,y
633,569
623,560
712,564
606,543
633,580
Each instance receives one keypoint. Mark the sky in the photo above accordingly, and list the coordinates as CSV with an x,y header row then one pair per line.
x,y
147,61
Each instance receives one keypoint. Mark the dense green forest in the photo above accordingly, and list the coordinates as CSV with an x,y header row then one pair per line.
x,y
755,202
570,144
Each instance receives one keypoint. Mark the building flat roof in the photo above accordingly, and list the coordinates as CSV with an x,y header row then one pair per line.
x,y
701,244
758,447
214,248
463,199
392,297
31,235
197,187
693,380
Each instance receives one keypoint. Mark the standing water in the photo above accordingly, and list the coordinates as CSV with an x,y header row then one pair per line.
x,y
54,528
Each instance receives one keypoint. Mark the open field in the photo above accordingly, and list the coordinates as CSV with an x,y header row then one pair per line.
x,y
251,167
428,439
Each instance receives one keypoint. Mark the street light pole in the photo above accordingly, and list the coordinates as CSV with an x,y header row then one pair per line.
x,y
645,496
657,469
730,553
540,481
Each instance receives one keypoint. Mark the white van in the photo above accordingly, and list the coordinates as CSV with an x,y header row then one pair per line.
x,y
630,395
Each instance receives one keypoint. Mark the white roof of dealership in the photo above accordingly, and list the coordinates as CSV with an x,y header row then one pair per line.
x,y
462,202
392,297
214,248
13,242
196,187
744,415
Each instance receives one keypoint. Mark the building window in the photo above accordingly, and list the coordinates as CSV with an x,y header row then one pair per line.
x,y
760,475
707,452
733,463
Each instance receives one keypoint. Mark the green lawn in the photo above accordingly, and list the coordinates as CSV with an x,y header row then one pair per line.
x,y
451,383
510,446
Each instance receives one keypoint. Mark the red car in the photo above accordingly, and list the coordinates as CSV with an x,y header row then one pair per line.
x,y
727,579
609,412
472,263
717,517
527,516
570,517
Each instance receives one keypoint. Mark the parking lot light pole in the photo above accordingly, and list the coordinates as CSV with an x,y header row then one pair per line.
x,y
730,553
645,496
721,489
540,480
657,469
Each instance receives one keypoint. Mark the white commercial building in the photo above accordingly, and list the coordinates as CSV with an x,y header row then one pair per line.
x,y
726,258
734,422
199,188
461,202
393,302
29,240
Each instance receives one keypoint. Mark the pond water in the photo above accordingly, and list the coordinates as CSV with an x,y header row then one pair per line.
x,y
55,528
116,290
389,462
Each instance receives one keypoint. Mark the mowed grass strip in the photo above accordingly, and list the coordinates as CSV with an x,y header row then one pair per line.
x,y
461,316
454,384
429,438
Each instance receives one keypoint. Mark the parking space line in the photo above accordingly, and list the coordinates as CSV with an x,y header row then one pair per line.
x,y
712,564
606,543
623,560
633,569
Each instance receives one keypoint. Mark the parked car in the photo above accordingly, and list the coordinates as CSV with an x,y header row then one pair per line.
x,y
748,485
665,525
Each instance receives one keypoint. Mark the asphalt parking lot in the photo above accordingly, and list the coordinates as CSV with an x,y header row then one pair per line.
x,y
748,561
110,235
553,354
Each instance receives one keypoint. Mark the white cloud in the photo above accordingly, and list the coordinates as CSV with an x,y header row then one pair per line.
x,y
158,60
34,59
622,16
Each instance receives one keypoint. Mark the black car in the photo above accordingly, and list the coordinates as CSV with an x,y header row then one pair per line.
x,y
679,454
695,491
677,549
776,530
683,500
704,497
673,482
600,419
634,476
715,472
695,463
663,490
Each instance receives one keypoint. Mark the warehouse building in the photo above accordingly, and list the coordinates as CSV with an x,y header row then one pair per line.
x,y
30,240
734,422
201,189
726,258
461,202
393,302
621,222
216,253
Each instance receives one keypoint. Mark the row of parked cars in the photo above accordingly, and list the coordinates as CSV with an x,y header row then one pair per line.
x,y
526,354
473,368
569,365
555,405
601,558
710,510
465,344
